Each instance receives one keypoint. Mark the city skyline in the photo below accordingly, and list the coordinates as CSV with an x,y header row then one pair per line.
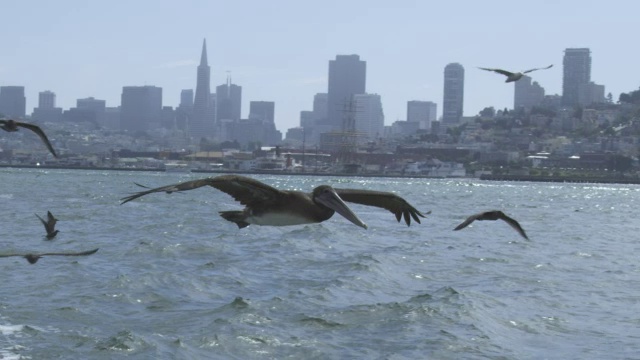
x,y
283,58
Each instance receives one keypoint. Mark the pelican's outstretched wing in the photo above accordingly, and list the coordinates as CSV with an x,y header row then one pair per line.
x,y
386,200
243,189
499,71
32,258
36,129
469,220
544,68
514,224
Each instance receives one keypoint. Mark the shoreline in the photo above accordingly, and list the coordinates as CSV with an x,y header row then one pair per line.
x,y
561,179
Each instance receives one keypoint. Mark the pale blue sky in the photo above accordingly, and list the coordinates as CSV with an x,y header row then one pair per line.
x,y
279,50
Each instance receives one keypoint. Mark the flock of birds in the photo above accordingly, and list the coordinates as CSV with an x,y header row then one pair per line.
x,y
268,206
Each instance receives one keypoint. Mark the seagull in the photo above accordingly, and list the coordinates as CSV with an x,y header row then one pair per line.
x,y
493,215
49,225
266,205
511,76
33,258
12,125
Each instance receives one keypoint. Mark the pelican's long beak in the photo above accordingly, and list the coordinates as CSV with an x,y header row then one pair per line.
x,y
331,200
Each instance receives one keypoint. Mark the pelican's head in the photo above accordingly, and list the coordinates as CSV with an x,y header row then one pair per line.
x,y
326,196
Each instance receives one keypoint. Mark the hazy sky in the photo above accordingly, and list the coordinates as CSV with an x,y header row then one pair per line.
x,y
279,50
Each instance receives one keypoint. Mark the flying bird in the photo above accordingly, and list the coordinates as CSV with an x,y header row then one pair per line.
x,y
511,76
12,125
33,258
493,215
266,205
49,225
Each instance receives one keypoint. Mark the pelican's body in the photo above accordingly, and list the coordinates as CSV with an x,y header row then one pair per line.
x,y
32,258
265,205
49,225
514,76
12,126
493,215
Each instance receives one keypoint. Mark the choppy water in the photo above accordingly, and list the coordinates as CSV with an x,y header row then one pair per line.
x,y
174,280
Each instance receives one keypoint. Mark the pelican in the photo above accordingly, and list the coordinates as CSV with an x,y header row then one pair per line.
x,y
265,205
49,225
493,215
33,258
12,125
511,76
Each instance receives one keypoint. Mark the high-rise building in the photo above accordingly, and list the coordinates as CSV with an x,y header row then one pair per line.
x,y
575,74
186,98
527,94
228,101
453,99
422,112
202,122
184,111
91,103
590,93
140,108
369,117
320,107
347,77
13,103
46,110
46,99
262,110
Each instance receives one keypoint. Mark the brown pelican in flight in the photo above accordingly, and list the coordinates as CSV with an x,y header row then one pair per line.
x,y
511,76
493,215
12,125
266,205
33,258
49,225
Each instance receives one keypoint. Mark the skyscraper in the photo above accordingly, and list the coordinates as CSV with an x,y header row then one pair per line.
x,y
369,117
576,73
228,101
140,107
46,100
347,77
422,112
453,100
262,110
13,103
46,110
527,94
202,122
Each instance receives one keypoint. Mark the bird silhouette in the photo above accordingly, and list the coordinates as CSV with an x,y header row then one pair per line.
x,y
493,215
514,76
33,258
12,126
49,225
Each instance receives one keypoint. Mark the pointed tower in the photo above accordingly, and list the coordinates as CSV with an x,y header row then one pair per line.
x,y
203,119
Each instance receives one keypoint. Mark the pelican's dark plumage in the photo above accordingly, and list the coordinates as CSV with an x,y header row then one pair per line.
x,y
266,205
493,215
33,258
514,76
12,125
49,225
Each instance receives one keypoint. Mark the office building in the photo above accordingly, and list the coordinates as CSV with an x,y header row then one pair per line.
x,y
347,77
13,103
422,112
453,99
228,101
575,74
140,108
262,110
